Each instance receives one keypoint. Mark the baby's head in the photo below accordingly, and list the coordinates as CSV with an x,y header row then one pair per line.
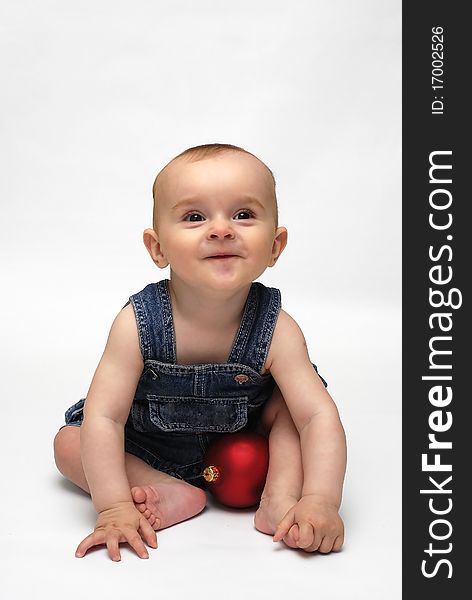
x,y
215,207
207,152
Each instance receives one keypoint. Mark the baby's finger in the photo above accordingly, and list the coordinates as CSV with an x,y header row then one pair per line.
x,y
326,545
306,535
338,543
134,540
319,535
284,526
94,539
113,547
148,533
292,536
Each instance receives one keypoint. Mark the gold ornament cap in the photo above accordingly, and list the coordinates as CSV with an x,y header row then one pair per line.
x,y
211,474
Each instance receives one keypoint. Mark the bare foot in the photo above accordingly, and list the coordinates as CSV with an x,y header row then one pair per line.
x,y
271,511
165,504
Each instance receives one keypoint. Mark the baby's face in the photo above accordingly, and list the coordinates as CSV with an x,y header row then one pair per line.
x,y
216,221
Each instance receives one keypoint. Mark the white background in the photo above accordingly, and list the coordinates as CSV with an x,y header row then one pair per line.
x,y
96,98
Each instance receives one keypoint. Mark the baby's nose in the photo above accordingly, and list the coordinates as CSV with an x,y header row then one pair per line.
x,y
221,230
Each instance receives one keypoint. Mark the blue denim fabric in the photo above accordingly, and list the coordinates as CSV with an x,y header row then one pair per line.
x,y
179,409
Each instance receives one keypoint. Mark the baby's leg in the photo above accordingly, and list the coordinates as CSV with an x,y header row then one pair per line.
x,y
284,480
164,500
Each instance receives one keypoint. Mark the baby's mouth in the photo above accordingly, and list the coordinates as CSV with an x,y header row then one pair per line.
x,y
222,256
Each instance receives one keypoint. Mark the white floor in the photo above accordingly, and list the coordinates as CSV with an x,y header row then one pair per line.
x,y
96,98
217,554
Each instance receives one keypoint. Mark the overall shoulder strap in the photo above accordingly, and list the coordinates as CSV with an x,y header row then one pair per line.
x,y
154,320
257,326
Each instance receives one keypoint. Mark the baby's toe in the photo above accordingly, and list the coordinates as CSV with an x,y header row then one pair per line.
x,y
154,521
139,495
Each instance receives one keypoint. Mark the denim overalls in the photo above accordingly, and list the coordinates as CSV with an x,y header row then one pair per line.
x,y
179,409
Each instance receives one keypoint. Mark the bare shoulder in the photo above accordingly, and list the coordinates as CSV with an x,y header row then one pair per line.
x,y
287,325
288,332
114,382
287,341
123,339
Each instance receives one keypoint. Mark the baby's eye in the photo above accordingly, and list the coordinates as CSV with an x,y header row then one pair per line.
x,y
193,217
243,214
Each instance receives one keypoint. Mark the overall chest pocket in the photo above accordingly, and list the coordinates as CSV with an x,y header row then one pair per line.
x,y
198,415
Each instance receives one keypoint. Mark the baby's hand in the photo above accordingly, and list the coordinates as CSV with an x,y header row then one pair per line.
x,y
122,522
314,524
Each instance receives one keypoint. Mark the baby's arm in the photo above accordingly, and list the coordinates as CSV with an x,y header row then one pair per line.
x,y
322,441
102,442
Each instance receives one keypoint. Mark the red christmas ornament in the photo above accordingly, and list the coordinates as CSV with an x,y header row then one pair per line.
x,y
236,468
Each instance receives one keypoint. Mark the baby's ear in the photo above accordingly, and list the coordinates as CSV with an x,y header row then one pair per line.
x,y
280,241
153,246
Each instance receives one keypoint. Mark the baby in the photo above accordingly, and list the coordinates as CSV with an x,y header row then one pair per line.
x,y
207,352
